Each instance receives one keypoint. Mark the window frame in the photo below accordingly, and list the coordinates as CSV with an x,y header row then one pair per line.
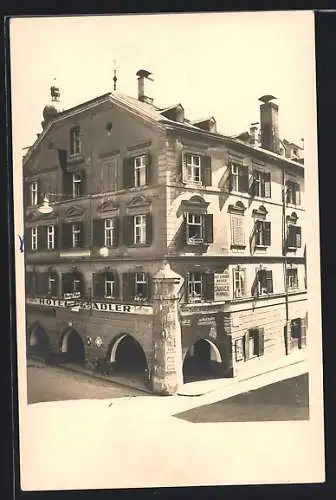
x,y
263,289
262,241
34,238
34,193
191,287
295,278
293,193
142,226
240,291
144,281
109,235
76,232
140,171
260,180
76,185
190,239
52,234
192,167
293,239
75,141
111,283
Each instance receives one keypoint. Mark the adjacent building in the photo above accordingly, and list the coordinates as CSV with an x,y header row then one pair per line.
x,y
153,242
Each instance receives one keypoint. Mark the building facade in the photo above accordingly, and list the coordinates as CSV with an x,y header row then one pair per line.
x,y
165,245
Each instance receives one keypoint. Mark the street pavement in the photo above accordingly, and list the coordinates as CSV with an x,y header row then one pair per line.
x,y
47,383
133,442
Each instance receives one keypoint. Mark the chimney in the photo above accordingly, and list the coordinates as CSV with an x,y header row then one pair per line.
x,y
254,134
143,75
269,127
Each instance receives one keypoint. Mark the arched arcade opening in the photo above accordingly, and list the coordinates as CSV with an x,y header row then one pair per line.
x,y
72,346
202,361
127,355
38,341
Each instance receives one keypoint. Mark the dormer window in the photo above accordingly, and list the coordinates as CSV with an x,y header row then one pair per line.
x,y
75,141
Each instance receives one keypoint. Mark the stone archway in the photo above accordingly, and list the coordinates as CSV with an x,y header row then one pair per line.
x,y
72,347
201,361
127,355
38,341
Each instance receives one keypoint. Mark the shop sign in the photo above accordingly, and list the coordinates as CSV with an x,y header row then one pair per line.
x,y
222,285
94,306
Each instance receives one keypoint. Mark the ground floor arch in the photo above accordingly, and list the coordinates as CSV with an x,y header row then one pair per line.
x,y
38,341
127,355
72,346
202,361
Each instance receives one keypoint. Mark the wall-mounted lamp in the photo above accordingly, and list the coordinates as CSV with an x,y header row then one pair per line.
x,y
45,208
104,251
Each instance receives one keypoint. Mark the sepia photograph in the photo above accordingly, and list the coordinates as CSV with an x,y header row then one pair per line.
x,y
167,250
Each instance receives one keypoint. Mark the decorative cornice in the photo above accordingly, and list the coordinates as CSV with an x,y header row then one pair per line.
x,y
73,211
238,208
140,146
36,216
107,206
195,202
259,212
138,201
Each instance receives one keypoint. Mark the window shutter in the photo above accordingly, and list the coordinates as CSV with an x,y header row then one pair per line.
x,y
66,235
27,239
98,233
66,283
128,227
128,173
149,229
254,288
206,172
229,181
297,194
183,167
184,229
288,337
128,286
243,179
82,235
63,158
291,236
29,283
44,283
208,286
298,237
208,228
83,184
246,346
67,183
98,282
261,342
149,286
116,285
39,192
267,233
27,195
269,281
56,237
303,337
54,287
42,237
148,169
116,232
267,185
237,229
252,184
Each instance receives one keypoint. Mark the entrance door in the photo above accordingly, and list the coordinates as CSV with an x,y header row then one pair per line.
x,y
201,361
73,347
38,342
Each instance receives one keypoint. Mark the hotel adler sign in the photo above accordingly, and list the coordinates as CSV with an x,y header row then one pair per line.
x,y
75,304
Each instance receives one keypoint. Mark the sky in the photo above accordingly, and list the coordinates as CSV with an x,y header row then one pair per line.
x,y
214,64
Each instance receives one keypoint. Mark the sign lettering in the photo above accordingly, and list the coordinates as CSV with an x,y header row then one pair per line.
x,y
222,285
86,305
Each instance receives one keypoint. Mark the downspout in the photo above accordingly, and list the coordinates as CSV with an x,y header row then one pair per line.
x,y
284,252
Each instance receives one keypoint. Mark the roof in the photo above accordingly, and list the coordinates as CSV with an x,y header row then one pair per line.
x,y
144,110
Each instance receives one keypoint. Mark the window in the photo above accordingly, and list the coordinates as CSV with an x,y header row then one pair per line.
x,y
195,287
75,141
261,184
109,228
254,343
239,177
72,284
105,285
76,185
76,233
30,283
237,230
200,286
50,237
264,282
292,278
34,238
109,289
262,233
34,193
193,168
52,284
196,169
238,283
140,167
136,171
140,286
293,193
194,228
140,229
294,236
